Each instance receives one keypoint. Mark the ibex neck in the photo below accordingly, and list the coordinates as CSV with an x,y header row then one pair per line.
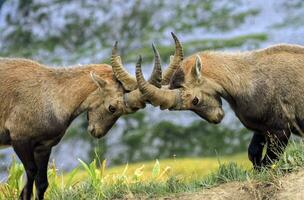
x,y
229,71
72,88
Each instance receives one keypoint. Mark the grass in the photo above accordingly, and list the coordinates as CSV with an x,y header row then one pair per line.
x,y
154,179
188,167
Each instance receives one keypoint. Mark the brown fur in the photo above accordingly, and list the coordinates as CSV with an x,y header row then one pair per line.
x,y
40,101
263,87
271,74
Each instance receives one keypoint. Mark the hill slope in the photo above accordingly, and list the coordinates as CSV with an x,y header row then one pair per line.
x,y
289,187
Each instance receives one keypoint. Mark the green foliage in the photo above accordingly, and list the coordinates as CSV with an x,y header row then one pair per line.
x,y
145,141
142,140
133,137
98,187
198,45
78,130
15,181
123,185
83,34
226,173
293,158
95,176
52,177
70,177
156,169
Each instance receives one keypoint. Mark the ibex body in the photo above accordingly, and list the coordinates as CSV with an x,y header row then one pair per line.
x,y
38,104
263,87
41,102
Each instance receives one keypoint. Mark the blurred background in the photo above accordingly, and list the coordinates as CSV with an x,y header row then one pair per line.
x,y
63,33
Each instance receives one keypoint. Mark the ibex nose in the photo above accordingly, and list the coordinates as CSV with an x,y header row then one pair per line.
x,y
91,129
220,115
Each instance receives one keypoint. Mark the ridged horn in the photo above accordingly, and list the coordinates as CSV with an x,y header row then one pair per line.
x,y
158,97
126,79
156,76
175,62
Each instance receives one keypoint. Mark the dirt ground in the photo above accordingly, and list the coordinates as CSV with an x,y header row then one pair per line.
x,y
289,187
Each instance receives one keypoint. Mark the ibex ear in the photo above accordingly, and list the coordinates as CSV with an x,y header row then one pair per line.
x,y
196,69
98,80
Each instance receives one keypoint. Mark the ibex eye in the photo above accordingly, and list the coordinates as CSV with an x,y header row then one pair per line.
x,y
195,101
112,109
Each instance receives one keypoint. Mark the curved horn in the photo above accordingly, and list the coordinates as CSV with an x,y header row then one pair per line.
x,y
156,76
127,80
175,62
135,99
158,97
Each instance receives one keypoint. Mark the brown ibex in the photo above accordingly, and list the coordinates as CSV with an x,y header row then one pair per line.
x,y
263,87
38,104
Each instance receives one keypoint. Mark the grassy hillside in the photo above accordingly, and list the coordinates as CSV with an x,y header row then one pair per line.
x,y
188,168
188,176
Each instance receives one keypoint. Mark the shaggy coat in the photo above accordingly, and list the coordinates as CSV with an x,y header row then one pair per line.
x,y
263,87
38,104
37,101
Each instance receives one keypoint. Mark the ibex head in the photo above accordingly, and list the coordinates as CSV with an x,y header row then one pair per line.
x,y
187,87
116,96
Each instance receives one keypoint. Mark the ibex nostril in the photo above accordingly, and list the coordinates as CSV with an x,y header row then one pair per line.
x,y
219,115
91,129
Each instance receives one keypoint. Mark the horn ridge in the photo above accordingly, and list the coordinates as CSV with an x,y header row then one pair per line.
x,y
178,46
158,97
156,76
175,62
123,76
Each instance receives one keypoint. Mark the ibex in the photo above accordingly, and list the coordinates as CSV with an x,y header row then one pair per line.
x,y
38,104
263,87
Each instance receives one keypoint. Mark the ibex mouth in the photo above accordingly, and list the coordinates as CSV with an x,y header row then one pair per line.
x,y
92,130
214,118
217,121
